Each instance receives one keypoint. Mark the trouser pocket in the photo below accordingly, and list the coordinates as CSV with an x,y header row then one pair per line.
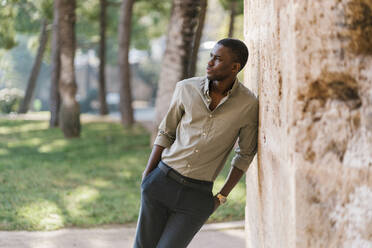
x,y
148,176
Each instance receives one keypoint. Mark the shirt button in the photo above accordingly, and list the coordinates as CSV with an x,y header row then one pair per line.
x,y
188,165
208,100
203,134
210,116
196,150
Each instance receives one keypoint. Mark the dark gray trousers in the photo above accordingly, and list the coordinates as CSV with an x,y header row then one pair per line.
x,y
171,213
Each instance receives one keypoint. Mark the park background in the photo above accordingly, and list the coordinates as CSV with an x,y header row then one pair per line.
x,y
52,178
311,66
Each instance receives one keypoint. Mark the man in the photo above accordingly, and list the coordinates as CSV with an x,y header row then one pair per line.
x,y
205,118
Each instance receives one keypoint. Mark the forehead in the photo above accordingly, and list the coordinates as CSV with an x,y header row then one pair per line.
x,y
222,51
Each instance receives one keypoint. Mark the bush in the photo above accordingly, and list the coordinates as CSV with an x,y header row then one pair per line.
x,y
10,99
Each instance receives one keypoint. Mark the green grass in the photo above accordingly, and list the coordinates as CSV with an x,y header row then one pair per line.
x,y
48,182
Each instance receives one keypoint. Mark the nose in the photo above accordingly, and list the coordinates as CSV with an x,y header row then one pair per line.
x,y
210,62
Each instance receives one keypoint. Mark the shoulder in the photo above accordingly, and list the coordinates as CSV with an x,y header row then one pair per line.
x,y
191,82
190,86
248,102
249,97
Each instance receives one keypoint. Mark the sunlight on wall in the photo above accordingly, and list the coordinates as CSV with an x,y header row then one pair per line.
x,y
355,218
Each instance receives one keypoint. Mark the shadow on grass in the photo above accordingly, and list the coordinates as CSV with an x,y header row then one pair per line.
x,y
48,182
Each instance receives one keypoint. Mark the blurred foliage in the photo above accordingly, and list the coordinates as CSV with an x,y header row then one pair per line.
x,y
30,14
20,20
16,64
22,16
149,21
7,30
226,5
10,98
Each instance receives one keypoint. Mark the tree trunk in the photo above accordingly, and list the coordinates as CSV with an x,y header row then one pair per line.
x,y
198,35
88,72
125,24
55,99
233,10
70,110
102,51
35,69
177,55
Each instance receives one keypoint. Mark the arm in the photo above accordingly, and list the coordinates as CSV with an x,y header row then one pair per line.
x,y
154,159
167,131
244,153
232,179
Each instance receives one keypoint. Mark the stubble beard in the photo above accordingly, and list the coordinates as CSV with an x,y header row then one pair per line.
x,y
217,78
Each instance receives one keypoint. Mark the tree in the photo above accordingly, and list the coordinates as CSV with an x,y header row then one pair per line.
x,y
177,56
7,30
198,35
29,15
25,22
235,7
126,109
35,69
102,53
54,98
70,110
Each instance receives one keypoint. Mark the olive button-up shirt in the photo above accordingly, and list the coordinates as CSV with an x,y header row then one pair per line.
x,y
197,140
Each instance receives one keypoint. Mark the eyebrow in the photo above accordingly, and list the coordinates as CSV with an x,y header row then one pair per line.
x,y
211,54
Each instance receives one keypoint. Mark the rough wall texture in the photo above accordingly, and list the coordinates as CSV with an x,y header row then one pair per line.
x,y
311,65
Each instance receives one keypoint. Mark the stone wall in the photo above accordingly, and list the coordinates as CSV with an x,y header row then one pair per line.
x,y
311,65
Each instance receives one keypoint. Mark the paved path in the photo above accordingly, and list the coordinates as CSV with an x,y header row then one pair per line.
x,y
211,236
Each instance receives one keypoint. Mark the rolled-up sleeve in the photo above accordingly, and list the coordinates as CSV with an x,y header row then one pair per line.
x,y
167,128
247,144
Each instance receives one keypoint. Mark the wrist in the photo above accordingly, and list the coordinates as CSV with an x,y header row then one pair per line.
x,y
221,198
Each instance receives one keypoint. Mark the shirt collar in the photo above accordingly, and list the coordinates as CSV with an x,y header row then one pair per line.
x,y
232,90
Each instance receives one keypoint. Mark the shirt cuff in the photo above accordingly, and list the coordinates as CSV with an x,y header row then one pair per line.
x,y
163,140
242,162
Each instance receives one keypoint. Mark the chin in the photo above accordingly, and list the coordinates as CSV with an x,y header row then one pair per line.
x,y
210,77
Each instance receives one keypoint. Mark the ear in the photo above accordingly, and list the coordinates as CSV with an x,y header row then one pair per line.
x,y
236,67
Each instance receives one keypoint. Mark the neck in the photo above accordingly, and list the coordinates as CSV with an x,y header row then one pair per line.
x,y
223,86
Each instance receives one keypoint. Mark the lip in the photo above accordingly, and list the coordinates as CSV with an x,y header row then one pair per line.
x,y
209,69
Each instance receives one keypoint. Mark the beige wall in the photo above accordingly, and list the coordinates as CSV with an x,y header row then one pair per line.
x,y
311,66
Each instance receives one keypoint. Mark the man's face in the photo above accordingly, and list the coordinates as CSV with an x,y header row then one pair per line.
x,y
221,64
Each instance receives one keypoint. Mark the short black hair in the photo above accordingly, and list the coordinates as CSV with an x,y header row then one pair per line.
x,y
238,48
